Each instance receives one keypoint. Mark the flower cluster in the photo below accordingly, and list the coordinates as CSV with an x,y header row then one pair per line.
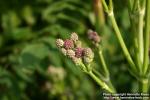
x,y
92,35
73,49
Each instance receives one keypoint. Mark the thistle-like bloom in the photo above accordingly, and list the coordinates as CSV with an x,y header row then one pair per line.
x,y
74,37
64,51
70,53
94,36
88,52
68,44
73,49
91,34
78,52
59,43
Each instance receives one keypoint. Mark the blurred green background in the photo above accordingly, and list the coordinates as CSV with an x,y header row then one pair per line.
x,y
32,68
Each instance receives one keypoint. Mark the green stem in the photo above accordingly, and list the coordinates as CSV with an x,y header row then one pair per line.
x,y
130,5
144,86
101,83
140,36
121,41
105,6
106,72
146,37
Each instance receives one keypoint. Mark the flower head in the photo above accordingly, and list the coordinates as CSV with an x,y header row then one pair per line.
x,y
59,43
88,52
70,53
68,44
91,34
94,36
76,60
79,52
74,37
73,49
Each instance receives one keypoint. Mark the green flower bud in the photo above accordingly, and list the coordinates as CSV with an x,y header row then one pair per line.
x,y
87,60
64,51
78,44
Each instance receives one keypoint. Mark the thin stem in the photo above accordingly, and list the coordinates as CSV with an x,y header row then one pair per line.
x,y
121,41
134,16
146,37
105,6
106,72
140,35
101,83
130,5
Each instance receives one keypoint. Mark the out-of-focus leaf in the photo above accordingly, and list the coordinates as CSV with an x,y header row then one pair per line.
x,y
10,21
21,34
27,14
32,54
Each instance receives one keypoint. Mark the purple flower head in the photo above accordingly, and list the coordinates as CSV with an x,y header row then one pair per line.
x,y
93,36
68,44
78,52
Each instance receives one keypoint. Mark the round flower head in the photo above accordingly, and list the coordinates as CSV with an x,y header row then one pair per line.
x,y
76,60
89,34
68,44
79,52
88,52
70,53
64,51
59,43
97,39
74,37
94,36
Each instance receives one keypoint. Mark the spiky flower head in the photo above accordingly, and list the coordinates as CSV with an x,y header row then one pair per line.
x,y
90,34
88,52
64,51
97,39
74,37
78,52
94,36
76,60
59,43
70,53
68,44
